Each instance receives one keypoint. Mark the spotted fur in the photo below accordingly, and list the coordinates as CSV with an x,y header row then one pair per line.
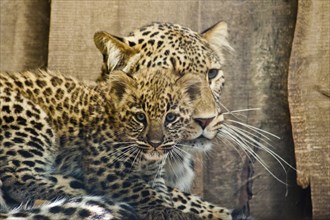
x,y
123,131
84,207
172,46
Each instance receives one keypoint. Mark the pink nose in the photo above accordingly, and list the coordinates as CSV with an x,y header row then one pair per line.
x,y
204,122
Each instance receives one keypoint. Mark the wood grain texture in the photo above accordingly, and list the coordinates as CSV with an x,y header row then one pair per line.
x,y
309,98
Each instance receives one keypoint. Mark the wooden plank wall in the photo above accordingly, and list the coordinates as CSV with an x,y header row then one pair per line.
x,y
309,98
261,32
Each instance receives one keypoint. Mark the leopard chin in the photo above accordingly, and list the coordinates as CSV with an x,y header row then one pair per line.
x,y
200,144
154,155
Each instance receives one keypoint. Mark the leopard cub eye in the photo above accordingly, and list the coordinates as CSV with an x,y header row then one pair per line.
x,y
170,117
140,116
212,73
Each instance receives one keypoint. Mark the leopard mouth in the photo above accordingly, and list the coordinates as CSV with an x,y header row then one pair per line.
x,y
158,153
155,153
202,137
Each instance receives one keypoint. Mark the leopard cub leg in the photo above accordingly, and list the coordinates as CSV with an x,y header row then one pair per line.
x,y
193,204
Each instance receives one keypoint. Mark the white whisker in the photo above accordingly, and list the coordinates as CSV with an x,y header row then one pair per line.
x,y
178,153
245,142
230,112
130,153
175,146
137,151
241,110
250,133
257,130
120,155
169,161
127,142
264,148
226,140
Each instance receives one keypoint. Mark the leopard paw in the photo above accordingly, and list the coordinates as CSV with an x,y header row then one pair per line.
x,y
219,213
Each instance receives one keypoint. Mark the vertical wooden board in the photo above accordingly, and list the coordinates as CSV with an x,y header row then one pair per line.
x,y
261,32
24,28
270,51
309,98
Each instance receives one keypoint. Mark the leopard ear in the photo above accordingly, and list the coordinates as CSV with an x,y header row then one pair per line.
x,y
120,84
117,55
217,38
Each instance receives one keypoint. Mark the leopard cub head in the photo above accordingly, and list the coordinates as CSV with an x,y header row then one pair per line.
x,y
154,110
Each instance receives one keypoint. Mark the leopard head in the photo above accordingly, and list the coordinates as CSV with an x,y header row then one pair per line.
x,y
171,46
154,109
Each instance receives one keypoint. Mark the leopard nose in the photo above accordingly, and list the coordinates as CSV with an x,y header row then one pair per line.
x,y
204,122
155,143
155,137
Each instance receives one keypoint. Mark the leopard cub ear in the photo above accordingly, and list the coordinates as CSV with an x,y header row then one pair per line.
x,y
121,84
117,55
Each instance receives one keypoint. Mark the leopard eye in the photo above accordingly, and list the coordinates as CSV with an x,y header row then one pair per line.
x,y
170,117
140,116
212,73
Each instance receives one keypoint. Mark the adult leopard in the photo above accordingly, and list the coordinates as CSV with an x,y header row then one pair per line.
x,y
123,131
172,46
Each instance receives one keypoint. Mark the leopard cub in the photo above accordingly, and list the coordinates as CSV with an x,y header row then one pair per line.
x,y
123,131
